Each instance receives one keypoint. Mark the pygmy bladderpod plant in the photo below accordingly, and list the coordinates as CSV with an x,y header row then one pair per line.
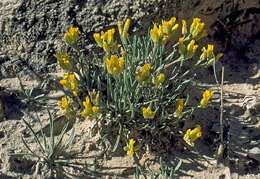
x,y
137,91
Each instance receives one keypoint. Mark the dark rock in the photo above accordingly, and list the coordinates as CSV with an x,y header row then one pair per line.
x,y
3,58
236,110
36,28
2,111
11,105
20,165
2,134
255,109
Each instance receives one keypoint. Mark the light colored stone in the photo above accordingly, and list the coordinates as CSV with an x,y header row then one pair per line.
x,y
254,153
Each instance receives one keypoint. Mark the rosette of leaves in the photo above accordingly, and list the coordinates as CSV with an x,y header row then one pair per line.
x,y
53,153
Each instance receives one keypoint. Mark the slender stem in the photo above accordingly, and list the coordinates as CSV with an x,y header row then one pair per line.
x,y
221,108
172,63
221,146
214,70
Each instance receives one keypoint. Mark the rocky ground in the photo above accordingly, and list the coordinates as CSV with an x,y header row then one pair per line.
x,y
31,32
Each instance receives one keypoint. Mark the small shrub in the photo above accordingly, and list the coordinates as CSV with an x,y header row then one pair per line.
x,y
137,91
52,154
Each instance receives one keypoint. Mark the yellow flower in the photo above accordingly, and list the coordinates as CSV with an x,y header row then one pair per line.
x,y
206,96
123,29
156,34
163,32
197,29
89,110
192,135
169,26
72,35
210,51
95,109
158,80
108,36
115,65
98,39
208,55
131,148
148,113
106,40
184,27
180,106
64,104
64,60
70,82
189,51
143,73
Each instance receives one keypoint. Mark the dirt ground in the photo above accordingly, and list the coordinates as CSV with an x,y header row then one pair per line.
x,y
241,45
199,162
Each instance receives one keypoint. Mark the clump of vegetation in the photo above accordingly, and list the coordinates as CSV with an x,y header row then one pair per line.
x,y
53,155
137,92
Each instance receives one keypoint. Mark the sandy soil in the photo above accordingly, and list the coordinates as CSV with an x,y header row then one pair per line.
x,y
241,115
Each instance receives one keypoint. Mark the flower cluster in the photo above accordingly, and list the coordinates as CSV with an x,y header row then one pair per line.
x,y
159,80
143,73
163,32
208,55
188,43
197,29
106,40
148,113
64,104
115,65
192,135
131,148
206,96
89,109
189,51
64,60
72,35
70,82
